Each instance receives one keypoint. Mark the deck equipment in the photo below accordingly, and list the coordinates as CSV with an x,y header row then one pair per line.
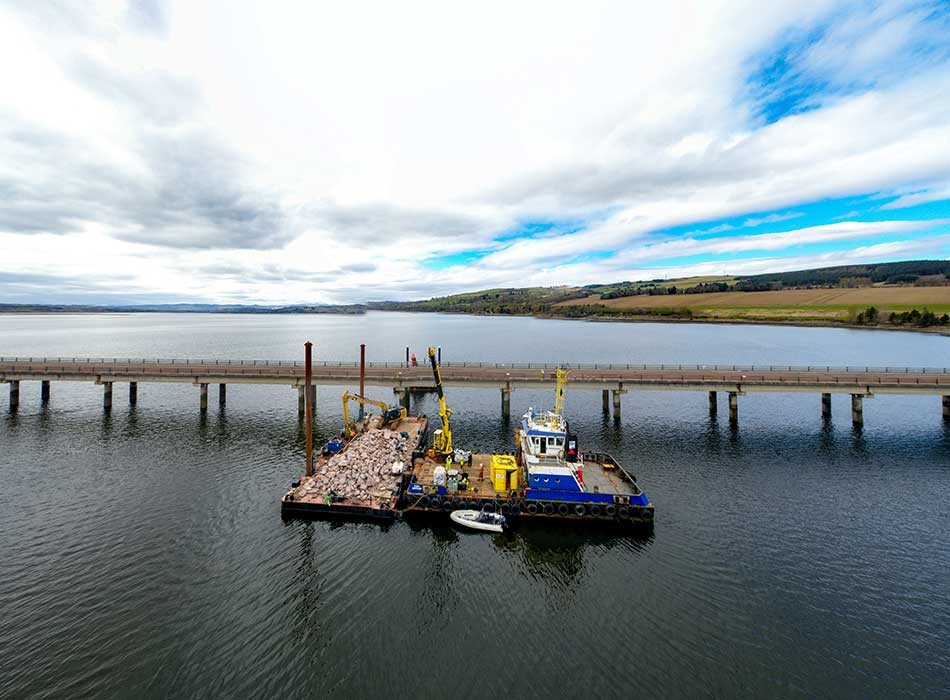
x,y
441,438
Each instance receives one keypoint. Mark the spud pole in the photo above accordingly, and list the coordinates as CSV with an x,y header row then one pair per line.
x,y
308,374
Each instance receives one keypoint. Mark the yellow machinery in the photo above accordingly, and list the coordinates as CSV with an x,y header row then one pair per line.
x,y
559,396
442,438
388,414
504,473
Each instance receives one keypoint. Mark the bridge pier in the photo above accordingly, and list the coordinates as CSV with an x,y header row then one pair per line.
x,y
222,394
733,407
133,393
857,410
605,399
826,406
107,396
204,397
946,407
301,401
402,394
617,405
506,403
713,403
14,395
44,391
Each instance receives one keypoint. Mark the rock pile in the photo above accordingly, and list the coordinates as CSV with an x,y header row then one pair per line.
x,y
364,470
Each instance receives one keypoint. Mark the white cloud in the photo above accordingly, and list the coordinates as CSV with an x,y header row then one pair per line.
x,y
935,194
235,151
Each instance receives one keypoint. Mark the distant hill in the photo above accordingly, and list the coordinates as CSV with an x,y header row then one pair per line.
x,y
184,308
875,294
530,300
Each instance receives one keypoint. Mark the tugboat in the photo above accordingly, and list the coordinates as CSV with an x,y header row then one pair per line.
x,y
562,481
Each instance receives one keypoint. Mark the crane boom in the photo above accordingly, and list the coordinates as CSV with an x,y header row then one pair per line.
x,y
442,440
559,396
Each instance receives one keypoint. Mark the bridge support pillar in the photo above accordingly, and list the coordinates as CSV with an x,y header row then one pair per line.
x,y
617,405
402,395
733,407
107,396
713,403
605,399
313,400
857,410
222,394
204,397
301,401
14,395
826,405
133,393
506,403
44,391
946,407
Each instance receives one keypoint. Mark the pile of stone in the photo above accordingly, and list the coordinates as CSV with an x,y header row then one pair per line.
x,y
368,469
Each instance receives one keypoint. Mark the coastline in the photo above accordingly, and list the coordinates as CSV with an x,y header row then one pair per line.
x,y
594,318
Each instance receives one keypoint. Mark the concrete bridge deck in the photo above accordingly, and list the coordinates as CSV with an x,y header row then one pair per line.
x,y
736,380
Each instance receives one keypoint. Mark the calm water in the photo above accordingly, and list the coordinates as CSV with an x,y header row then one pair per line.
x,y
142,553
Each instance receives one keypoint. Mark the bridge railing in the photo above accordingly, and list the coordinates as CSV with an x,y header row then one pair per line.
x,y
810,369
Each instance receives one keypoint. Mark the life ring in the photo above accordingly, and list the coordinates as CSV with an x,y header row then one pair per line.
x,y
624,512
610,510
424,502
548,508
563,509
532,508
595,511
435,502
580,510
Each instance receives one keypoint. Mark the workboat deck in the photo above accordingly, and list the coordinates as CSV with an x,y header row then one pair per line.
x,y
308,498
603,475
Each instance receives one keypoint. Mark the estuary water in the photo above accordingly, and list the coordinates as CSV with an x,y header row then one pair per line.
x,y
142,553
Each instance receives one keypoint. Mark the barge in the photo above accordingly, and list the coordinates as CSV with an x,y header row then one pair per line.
x,y
358,476
383,467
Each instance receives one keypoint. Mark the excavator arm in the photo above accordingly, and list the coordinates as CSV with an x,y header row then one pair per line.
x,y
386,412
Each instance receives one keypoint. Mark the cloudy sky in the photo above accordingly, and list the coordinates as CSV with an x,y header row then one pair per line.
x,y
287,152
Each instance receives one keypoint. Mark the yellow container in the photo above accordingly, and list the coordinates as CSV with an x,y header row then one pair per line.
x,y
503,466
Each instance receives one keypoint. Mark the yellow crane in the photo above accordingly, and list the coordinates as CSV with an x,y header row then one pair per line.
x,y
442,438
388,414
559,396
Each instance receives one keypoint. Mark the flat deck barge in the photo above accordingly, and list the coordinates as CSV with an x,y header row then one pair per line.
x,y
356,481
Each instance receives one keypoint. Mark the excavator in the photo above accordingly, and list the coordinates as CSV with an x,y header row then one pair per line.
x,y
442,438
389,414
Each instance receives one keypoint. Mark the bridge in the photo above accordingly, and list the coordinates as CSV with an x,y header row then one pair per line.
x,y
611,379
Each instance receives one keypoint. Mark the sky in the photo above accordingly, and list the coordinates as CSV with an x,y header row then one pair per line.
x,y
327,152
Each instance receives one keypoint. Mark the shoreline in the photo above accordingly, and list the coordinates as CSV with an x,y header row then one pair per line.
x,y
641,318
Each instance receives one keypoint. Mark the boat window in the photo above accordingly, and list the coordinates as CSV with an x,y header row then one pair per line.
x,y
546,480
542,446
558,480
